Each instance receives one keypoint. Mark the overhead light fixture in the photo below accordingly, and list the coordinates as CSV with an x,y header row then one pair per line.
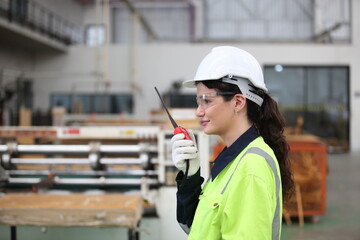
x,y
278,68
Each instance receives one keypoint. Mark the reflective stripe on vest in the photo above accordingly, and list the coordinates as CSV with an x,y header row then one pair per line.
x,y
272,164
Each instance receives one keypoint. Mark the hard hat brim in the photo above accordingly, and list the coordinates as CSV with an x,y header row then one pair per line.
x,y
192,83
189,83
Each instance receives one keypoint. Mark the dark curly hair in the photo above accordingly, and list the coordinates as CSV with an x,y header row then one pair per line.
x,y
270,124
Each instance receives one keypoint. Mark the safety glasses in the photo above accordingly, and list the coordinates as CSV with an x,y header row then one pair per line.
x,y
205,100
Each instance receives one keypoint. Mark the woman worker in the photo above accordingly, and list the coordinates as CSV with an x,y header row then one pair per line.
x,y
250,178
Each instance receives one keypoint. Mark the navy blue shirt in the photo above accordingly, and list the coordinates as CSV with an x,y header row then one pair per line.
x,y
188,194
230,153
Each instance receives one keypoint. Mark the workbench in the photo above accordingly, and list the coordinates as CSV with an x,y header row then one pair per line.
x,y
100,210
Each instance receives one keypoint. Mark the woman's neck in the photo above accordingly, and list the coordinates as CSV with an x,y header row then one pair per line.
x,y
238,129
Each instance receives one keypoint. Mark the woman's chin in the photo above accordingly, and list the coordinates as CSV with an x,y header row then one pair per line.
x,y
207,130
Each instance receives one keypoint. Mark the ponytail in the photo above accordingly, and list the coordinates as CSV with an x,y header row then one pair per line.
x,y
270,124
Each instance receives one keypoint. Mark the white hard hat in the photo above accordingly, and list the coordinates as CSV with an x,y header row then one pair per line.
x,y
234,66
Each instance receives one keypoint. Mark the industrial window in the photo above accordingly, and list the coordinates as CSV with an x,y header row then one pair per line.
x,y
234,20
320,95
94,103
95,34
281,20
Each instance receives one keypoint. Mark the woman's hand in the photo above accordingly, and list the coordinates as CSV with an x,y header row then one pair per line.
x,y
183,149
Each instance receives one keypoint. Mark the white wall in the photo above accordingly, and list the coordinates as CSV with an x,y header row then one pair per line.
x,y
355,79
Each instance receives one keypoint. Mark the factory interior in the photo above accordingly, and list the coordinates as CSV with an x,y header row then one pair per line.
x,y
85,141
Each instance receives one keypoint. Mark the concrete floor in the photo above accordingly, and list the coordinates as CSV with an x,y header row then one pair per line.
x,y
342,218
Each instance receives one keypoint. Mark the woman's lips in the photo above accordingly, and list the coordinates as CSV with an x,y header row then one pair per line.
x,y
204,123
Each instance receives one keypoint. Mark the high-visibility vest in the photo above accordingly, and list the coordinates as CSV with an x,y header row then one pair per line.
x,y
244,201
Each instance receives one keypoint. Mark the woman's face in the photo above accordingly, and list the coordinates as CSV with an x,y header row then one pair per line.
x,y
215,114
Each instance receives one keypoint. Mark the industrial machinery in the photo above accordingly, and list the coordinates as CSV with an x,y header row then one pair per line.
x,y
96,163
128,156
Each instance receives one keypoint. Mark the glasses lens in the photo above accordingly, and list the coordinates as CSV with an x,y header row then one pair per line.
x,y
205,100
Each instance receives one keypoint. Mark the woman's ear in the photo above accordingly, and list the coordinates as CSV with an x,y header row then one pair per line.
x,y
240,102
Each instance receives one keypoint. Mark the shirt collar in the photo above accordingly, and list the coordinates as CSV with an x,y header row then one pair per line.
x,y
230,153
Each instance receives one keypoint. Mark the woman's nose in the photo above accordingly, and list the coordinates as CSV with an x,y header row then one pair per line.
x,y
200,111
